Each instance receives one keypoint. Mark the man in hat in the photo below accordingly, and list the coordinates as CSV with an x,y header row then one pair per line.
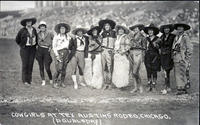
x,y
43,51
152,56
182,51
137,50
27,40
108,41
62,44
165,45
80,52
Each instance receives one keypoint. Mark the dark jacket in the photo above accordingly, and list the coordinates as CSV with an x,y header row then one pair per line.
x,y
22,36
166,51
73,46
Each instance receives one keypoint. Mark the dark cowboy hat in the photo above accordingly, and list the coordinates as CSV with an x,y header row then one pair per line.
x,y
126,31
89,32
79,29
185,26
57,27
140,27
170,26
152,27
33,20
103,22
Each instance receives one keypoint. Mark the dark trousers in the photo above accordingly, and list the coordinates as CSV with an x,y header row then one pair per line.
x,y
44,60
27,56
61,66
151,73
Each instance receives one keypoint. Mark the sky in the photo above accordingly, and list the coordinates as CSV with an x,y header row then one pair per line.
x,y
16,5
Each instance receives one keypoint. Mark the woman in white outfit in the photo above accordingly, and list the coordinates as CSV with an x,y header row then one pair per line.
x,y
93,68
120,77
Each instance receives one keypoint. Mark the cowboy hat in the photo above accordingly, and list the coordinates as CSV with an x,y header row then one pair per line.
x,y
89,32
33,20
151,27
140,27
79,29
185,26
42,23
170,26
57,27
126,31
103,22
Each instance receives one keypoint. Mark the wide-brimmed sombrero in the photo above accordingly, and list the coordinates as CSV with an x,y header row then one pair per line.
x,y
126,31
170,26
33,20
57,27
89,32
185,26
151,27
103,22
42,23
140,27
79,29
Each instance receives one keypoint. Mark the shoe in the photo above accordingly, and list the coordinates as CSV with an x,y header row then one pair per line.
x,y
75,81
75,86
55,86
43,82
134,90
149,86
164,91
63,85
27,84
82,84
50,82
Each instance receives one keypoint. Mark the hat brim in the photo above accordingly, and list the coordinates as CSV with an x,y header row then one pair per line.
x,y
79,29
103,22
94,28
170,26
126,31
33,20
155,29
57,27
42,25
140,27
185,26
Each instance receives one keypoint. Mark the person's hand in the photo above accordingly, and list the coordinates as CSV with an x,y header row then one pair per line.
x,y
49,50
58,59
93,56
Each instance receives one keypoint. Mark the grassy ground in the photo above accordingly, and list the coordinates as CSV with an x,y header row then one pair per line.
x,y
15,97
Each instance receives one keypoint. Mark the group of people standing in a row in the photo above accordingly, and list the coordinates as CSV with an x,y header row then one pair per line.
x,y
107,54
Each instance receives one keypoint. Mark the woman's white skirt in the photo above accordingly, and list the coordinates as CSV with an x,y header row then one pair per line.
x,y
120,77
93,74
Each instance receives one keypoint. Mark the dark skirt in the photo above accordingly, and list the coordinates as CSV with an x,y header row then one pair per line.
x,y
152,61
166,61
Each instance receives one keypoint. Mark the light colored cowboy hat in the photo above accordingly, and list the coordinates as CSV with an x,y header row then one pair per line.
x,y
42,23
89,32
151,27
185,26
57,27
109,21
170,26
33,20
140,27
123,26
79,28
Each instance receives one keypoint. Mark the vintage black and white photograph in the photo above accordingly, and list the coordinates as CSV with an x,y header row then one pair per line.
x,y
99,62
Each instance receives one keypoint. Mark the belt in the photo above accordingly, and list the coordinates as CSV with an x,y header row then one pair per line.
x,y
43,47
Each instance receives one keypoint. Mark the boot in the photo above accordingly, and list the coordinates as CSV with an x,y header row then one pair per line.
x,y
82,81
75,81
149,86
154,87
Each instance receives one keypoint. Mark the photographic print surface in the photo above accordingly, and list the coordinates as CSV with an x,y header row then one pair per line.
x,y
99,63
